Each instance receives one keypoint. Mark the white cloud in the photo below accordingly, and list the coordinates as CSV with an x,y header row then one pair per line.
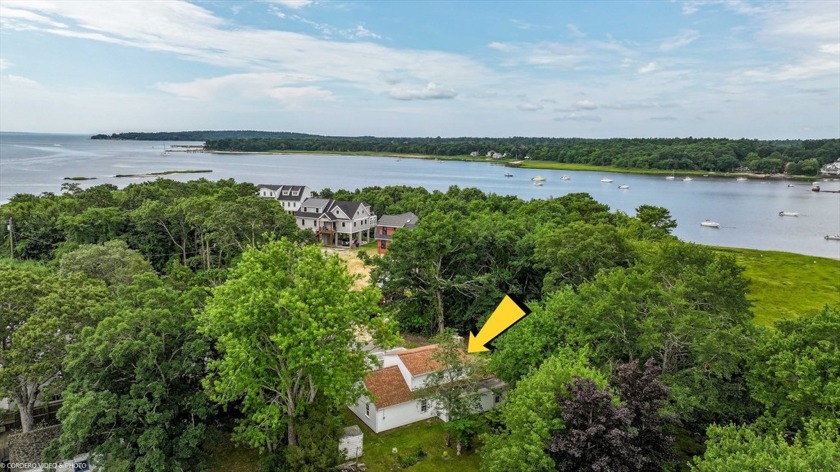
x,y
19,80
647,68
249,86
584,105
196,34
830,48
577,117
294,4
529,106
361,32
520,24
575,31
431,91
685,38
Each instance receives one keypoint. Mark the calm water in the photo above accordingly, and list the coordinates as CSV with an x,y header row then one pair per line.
x,y
747,211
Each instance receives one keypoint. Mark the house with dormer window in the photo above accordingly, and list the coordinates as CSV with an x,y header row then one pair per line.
x,y
290,197
335,222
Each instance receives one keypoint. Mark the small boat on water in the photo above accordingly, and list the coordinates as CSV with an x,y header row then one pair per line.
x,y
788,213
565,177
623,186
710,224
670,177
832,237
606,180
538,178
508,174
687,179
538,184
741,179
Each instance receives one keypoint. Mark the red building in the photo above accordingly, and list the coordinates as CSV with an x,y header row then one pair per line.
x,y
386,226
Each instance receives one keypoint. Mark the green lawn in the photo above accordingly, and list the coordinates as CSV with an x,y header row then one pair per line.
x,y
228,457
428,435
785,285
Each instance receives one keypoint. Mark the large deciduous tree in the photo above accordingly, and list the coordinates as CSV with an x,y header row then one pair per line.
x,y
286,327
40,315
134,395
531,414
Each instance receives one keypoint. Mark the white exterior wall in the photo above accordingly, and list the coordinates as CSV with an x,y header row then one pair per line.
x,y
402,414
267,193
418,381
359,409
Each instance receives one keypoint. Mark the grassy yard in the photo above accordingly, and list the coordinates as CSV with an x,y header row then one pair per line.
x,y
785,285
228,457
428,435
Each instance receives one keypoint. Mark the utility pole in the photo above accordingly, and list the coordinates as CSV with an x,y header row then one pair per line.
x,y
11,227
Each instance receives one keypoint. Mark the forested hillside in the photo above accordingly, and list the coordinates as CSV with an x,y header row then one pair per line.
x,y
707,154
201,135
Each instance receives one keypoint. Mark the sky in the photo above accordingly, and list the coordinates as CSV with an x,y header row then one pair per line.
x,y
597,69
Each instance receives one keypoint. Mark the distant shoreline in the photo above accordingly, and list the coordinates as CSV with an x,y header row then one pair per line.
x,y
535,164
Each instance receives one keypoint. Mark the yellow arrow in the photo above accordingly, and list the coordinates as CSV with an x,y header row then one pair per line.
x,y
504,316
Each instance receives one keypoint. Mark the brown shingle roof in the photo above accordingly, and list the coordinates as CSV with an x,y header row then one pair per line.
x,y
387,386
420,360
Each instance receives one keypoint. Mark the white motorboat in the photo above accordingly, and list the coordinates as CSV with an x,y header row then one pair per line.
x,y
710,224
508,174
788,213
539,178
606,180
538,184
565,177
741,179
623,186
687,179
832,237
670,177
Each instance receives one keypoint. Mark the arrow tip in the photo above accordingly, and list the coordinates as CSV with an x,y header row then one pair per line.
x,y
475,345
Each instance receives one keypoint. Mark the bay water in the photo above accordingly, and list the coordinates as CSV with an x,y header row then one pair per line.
x,y
748,211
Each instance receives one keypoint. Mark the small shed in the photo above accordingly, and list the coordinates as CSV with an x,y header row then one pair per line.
x,y
351,442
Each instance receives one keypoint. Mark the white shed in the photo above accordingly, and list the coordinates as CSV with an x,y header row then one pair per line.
x,y
351,443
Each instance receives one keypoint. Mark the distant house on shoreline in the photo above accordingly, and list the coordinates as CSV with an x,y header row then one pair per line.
x,y
386,227
336,223
289,196
832,168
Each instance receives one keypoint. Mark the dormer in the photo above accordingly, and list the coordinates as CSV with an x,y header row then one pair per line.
x,y
295,193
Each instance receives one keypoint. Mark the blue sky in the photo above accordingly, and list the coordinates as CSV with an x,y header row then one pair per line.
x,y
721,68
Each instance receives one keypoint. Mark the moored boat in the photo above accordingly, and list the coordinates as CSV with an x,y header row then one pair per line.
x,y
687,179
565,177
606,180
788,213
832,237
538,184
623,186
539,178
508,174
670,177
710,224
741,179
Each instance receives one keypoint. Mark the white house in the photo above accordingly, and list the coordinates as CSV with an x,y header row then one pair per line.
x,y
336,223
289,196
391,401
832,168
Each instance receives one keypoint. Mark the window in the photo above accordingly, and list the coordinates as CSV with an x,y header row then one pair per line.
x,y
285,192
424,405
295,193
497,398
367,410
383,244
343,224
